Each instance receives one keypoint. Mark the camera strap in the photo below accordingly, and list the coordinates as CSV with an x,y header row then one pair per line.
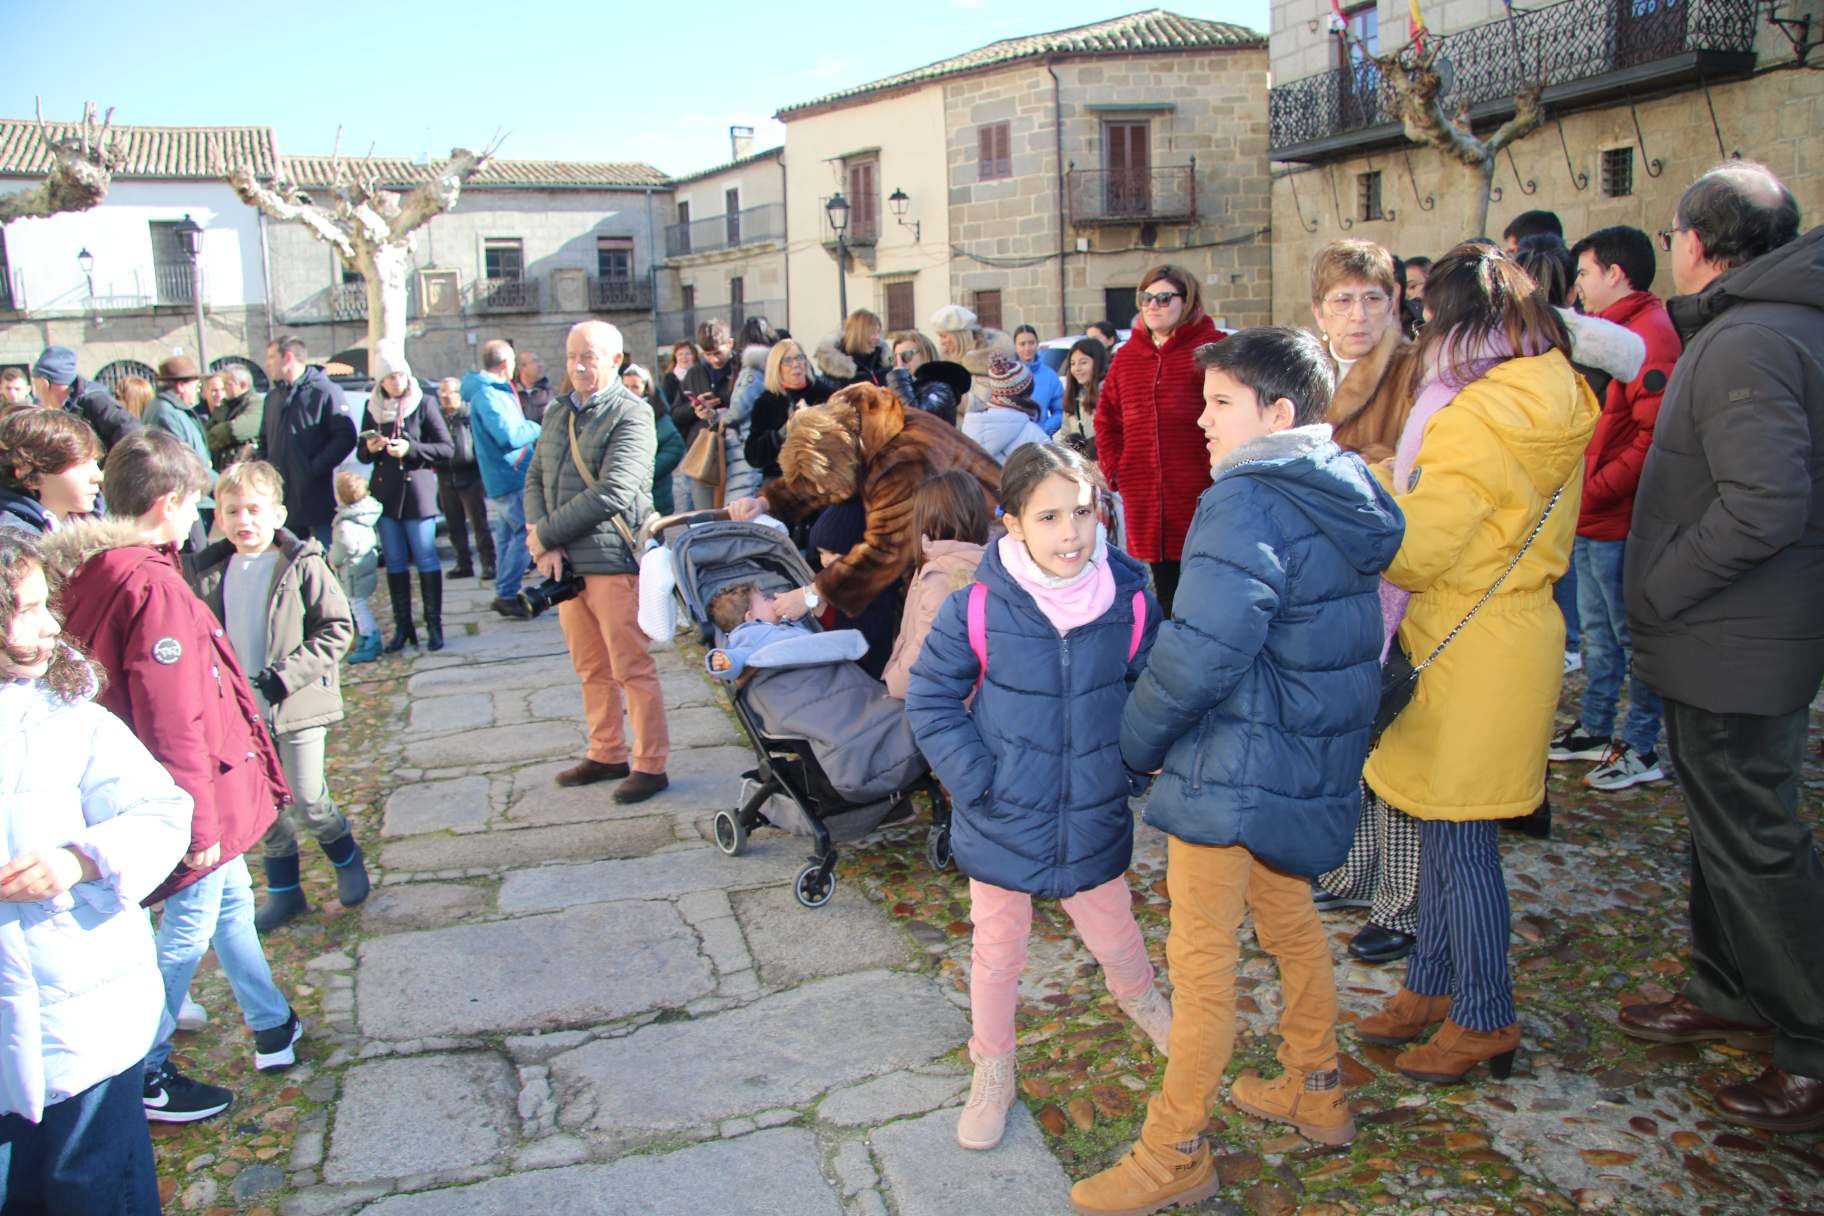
x,y
576,455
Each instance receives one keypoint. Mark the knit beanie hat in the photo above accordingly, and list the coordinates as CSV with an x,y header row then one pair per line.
x,y
953,318
57,365
389,359
841,527
1008,380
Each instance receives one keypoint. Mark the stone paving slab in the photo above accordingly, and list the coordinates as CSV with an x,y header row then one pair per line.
x,y
780,1051
416,1115
548,664
893,1096
462,805
441,715
850,933
929,1174
497,745
525,974
396,907
661,876
771,1173
501,850
703,780
681,690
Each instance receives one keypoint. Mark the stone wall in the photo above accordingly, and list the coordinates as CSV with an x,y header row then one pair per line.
x,y
146,335
1208,106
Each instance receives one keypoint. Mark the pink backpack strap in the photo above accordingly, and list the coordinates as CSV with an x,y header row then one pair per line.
x,y
978,628
1133,645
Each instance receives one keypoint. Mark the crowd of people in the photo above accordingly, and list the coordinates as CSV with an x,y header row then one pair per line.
x,y
1304,589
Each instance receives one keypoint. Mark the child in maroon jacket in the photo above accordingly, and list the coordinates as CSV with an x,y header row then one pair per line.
x,y
173,679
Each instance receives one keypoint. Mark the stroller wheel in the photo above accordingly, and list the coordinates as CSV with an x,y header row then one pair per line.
x,y
937,847
731,836
815,885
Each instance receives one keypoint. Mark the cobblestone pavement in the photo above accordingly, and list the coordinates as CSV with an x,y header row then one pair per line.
x,y
552,1003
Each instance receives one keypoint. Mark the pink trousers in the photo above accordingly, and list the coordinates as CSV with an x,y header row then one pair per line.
x,y
1104,917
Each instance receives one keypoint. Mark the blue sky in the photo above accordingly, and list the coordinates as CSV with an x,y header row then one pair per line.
x,y
563,79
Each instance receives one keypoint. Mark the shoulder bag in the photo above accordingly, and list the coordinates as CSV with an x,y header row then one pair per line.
x,y
707,459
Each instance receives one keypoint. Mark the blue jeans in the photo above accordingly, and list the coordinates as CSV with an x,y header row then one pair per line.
x,y
511,557
1564,591
90,1156
1463,924
215,910
1607,648
418,536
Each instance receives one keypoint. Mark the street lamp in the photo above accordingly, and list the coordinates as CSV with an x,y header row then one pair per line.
x,y
897,202
85,262
191,234
838,211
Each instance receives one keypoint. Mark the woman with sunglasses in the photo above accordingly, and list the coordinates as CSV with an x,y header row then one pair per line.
x,y
1147,437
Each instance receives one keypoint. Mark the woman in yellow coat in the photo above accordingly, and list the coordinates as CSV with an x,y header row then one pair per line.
x,y
1499,428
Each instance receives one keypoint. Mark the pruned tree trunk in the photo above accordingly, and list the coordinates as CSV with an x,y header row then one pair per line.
x,y
373,229
82,166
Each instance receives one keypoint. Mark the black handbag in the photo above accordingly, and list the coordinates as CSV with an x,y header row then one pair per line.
x,y
1400,678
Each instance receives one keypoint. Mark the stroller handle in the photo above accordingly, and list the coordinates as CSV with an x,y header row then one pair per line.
x,y
657,524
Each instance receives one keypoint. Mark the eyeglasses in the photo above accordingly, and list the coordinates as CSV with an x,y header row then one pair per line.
x,y
1373,303
1666,234
794,361
906,356
1162,298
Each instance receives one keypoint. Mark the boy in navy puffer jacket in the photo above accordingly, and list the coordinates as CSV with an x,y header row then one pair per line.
x,y
1256,706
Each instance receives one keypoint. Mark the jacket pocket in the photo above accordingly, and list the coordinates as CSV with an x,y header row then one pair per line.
x,y
1203,730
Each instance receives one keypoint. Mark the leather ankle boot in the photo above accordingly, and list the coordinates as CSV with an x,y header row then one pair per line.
x,y
399,587
1455,1050
1403,1019
430,584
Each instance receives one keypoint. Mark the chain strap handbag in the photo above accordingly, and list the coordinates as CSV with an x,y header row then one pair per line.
x,y
1400,677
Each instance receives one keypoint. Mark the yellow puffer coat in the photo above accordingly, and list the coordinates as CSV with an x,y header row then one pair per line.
x,y
1472,744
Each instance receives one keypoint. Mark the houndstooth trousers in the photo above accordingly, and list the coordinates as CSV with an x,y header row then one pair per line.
x,y
1382,866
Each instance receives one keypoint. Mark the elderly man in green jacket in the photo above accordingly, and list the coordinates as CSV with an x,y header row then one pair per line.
x,y
174,412
589,487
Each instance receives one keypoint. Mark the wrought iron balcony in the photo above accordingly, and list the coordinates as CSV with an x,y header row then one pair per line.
x,y
175,283
507,295
1586,51
1133,196
348,301
744,227
619,293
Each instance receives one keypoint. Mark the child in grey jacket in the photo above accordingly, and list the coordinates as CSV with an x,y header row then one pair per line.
x,y
354,554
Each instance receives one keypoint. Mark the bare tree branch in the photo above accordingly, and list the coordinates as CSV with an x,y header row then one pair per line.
x,y
82,167
440,193
284,203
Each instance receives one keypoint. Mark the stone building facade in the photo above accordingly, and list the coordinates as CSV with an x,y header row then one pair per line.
x,y
724,249
1638,105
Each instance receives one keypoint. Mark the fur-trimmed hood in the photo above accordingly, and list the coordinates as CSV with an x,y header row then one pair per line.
x,y
753,358
66,549
834,362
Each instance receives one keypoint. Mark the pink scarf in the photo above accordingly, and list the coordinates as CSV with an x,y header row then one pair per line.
x,y
1066,603
1463,364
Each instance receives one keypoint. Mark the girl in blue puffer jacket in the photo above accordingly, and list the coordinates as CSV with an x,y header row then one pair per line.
x,y
1050,639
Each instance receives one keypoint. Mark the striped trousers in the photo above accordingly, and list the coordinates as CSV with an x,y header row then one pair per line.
x,y
1382,866
1463,924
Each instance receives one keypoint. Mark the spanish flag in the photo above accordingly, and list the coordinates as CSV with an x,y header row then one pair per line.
x,y
1417,20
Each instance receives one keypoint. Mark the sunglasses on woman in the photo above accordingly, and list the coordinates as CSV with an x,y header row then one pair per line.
x,y
1161,298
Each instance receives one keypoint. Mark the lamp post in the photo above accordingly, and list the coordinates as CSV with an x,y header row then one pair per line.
x,y
898,201
85,262
191,233
838,211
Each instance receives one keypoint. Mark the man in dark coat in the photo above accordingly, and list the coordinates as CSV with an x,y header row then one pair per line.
x,y
1725,587
57,385
308,432
532,387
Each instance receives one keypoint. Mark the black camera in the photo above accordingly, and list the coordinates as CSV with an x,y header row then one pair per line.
x,y
551,592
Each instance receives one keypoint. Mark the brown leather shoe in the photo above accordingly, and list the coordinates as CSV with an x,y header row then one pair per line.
x,y
591,771
1455,1050
1403,1019
1680,1021
1777,1100
640,786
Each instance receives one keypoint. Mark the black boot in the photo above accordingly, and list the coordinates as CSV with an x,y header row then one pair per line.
x,y
351,869
430,583
1538,825
399,586
284,896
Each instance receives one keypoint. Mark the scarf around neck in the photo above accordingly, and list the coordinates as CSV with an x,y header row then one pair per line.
x,y
1066,602
393,411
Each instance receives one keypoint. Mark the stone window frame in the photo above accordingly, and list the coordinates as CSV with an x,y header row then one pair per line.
x,y
994,151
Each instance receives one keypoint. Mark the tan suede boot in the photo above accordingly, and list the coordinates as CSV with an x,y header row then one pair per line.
x,y
1403,1019
1152,1013
1455,1049
1311,1102
991,1094
1144,1182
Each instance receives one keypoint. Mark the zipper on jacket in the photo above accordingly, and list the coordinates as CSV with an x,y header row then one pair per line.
x,y
1064,788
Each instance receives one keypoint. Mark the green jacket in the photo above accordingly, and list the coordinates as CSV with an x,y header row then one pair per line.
x,y
618,444
237,422
308,628
168,414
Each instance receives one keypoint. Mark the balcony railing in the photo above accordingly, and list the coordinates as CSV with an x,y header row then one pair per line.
x,y
348,301
507,295
763,223
614,293
680,325
1133,196
1584,50
175,283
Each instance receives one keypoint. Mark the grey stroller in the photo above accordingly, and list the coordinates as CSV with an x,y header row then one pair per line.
x,y
835,757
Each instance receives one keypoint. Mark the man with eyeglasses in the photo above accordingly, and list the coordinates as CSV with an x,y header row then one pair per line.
x,y
1725,588
1352,300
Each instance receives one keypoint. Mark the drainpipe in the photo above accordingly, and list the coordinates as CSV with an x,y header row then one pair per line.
x,y
652,274
785,244
1057,129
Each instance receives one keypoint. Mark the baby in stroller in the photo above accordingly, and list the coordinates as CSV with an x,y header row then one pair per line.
x,y
758,638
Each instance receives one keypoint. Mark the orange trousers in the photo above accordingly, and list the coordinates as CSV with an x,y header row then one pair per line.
x,y
614,662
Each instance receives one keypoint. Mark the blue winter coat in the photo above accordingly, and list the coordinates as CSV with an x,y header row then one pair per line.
x,y
1264,683
1034,771
1048,392
503,436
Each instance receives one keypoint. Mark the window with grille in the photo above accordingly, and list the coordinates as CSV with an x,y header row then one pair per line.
x,y
988,309
900,311
172,274
994,152
504,258
614,257
1368,196
1617,172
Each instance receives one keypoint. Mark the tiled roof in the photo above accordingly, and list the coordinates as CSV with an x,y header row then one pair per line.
x,y
700,174
1152,30
399,171
168,152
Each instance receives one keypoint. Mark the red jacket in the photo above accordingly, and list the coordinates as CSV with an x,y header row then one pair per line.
x,y
1147,438
1618,449
173,679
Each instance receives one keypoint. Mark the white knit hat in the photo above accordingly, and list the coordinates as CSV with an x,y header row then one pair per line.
x,y
953,318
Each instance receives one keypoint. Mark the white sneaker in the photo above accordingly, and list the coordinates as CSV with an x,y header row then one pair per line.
x,y
1624,767
1573,661
191,1016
